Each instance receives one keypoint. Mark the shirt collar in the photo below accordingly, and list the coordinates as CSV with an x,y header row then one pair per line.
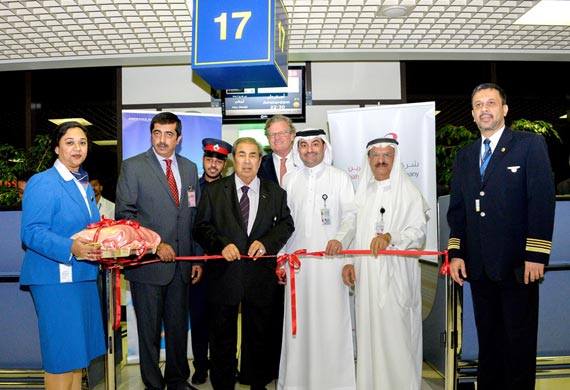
x,y
63,171
494,138
161,159
253,186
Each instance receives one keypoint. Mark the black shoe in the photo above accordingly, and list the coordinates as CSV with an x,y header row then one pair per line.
x,y
182,386
199,377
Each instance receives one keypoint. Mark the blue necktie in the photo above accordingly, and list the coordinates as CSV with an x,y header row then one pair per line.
x,y
244,205
485,157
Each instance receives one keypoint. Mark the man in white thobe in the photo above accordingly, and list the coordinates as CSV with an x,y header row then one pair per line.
x,y
321,199
391,215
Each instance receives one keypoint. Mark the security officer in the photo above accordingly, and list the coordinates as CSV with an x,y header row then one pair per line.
x,y
214,161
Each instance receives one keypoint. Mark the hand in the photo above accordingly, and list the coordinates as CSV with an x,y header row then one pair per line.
x,y
256,249
231,252
379,243
533,271
165,252
85,249
348,275
457,270
196,273
333,248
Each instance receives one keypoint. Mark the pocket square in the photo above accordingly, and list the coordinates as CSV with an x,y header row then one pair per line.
x,y
514,168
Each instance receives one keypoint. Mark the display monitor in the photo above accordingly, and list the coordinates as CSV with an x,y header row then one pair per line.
x,y
254,105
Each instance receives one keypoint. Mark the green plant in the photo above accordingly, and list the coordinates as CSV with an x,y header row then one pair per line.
x,y
449,139
539,127
14,162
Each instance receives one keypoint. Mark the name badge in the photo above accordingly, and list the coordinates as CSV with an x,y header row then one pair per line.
x,y
65,273
191,197
325,216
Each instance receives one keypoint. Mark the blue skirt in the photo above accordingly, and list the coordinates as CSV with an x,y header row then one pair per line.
x,y
70,325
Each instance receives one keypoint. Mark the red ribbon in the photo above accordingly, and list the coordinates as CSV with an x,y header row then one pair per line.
x,y
291,259
294,264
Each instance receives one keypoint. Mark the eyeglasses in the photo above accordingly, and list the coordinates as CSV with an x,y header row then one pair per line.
x,y
385,155
280,134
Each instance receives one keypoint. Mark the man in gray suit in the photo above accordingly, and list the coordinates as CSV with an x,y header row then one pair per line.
x,y
159,189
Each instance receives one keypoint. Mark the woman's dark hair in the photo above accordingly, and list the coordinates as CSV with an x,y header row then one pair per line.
x,y
166,118
60,131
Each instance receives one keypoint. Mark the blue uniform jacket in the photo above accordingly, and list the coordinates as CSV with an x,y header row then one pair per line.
x,y
507,218
54,210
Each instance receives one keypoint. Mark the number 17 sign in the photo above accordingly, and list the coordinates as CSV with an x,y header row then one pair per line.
x,y
240,44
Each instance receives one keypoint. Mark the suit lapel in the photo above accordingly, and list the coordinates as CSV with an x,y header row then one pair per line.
x,y
185,181
264,197
71,189
157,170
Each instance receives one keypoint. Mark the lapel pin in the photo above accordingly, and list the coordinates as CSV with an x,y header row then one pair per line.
x,y
503,150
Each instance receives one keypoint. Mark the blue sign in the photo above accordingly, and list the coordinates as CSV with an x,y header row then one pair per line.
x,y
239,44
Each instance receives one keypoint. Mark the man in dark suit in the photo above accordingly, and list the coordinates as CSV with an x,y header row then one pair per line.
x,y
214,161
501,216
159,189
280,132
242,215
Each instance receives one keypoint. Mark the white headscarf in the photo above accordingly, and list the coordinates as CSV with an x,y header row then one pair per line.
x,y
368,175
308,135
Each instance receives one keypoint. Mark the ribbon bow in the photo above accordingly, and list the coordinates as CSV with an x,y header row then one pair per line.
x,y
294,264
444,270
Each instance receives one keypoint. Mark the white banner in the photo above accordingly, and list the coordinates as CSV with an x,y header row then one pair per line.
x,y
414,124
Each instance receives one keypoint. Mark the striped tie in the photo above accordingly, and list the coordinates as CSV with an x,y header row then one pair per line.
x,y
485,157
172,182
244,205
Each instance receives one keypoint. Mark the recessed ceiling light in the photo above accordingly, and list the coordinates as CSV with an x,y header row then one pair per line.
x,y
106,142
394,11
58,122
565,116
547,13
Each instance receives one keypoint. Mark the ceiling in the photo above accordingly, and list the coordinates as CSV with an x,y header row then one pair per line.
x,y
76,33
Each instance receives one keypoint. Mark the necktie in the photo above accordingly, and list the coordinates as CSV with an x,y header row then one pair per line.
x,y
244,205
282,169
485,157
81,175
172,182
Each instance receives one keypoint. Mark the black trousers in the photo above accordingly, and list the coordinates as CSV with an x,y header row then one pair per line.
x,y
154,306
506,316
256,354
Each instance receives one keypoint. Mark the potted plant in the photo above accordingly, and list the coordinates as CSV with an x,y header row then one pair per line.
x,y
14,162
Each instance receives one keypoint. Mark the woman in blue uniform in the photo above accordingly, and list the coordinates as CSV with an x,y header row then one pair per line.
x,y
60,202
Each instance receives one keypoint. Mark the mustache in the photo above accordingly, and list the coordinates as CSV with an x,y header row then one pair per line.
x,y
380,164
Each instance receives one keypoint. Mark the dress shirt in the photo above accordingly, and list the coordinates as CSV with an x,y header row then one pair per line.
x,y
253,195
174,167
494,141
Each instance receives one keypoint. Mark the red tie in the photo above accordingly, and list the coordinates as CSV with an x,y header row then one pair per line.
x,y
172,182
282,169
